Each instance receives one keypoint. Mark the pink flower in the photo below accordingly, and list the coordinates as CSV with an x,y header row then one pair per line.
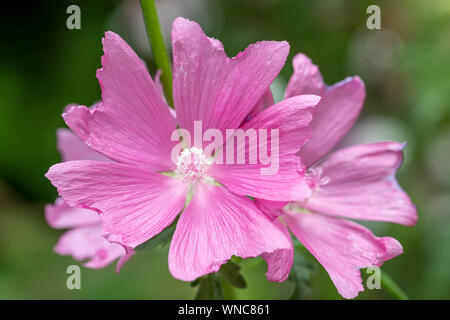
x,y
84,240
142,191
357,182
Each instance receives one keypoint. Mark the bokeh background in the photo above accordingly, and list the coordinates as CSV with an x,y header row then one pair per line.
x,y
44,66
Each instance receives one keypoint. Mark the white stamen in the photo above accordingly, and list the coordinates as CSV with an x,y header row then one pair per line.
x,y
192,164
315,178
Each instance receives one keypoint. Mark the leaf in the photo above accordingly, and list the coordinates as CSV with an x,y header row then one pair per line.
x,y
230,271
212,285
210,288
196,282
161,239
300,276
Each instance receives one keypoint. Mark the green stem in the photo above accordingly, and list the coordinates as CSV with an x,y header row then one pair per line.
x,y
158,46
390,286
228,291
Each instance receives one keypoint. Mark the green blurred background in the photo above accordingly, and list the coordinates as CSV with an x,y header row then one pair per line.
x,y
405,65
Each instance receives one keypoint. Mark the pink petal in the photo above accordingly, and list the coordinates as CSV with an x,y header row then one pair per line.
x,y
306,78
61,216
160,88
280,261
135,204
214,89
362,185
334,115
104,256
333,118
73,148
215,226
342,247
158,84
272,209
132,124
265,102
123,259
291,117
87,243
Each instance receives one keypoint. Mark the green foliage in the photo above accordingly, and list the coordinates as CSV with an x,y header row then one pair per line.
x,y
211,288
161,239
230,272
212,285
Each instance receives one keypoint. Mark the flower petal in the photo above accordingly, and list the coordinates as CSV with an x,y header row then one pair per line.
x,y
306,78
135,204
132,124
279,262
215,226
333,117
265,102
73,148
282,179
104,256
123,259
61,216
87,243
272,209
362,185
342,247
214,89
158,84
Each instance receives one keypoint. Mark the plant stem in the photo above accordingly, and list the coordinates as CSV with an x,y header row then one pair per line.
x,y
228,291
390,286
158,46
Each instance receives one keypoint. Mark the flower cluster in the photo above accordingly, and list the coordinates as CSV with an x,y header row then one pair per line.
x,y
120,186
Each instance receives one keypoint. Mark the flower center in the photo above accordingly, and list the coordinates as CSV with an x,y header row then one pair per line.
x,y
192,164
315,178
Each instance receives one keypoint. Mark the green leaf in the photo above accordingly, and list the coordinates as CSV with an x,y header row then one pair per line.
x,y
161,239
210,288
230,271
300,276
196,282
